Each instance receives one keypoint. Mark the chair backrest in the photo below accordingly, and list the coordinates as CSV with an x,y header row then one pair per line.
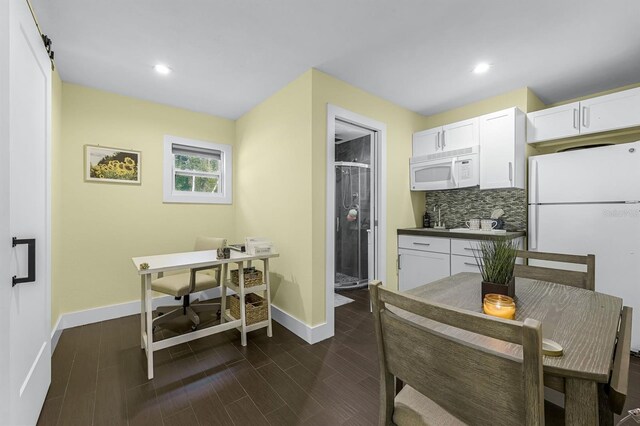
x,y
579,279
619,383
209,243
478,385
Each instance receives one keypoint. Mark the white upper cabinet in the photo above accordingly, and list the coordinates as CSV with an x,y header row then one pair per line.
x,y
426,142
463,134
600,114
610,112
554,123
502,146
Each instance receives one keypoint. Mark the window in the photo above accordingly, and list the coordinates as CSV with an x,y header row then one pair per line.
x,y
196,171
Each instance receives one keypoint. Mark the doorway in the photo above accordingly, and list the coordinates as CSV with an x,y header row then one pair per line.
x,y
356,205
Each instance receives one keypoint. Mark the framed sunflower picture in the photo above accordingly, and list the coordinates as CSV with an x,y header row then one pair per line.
x,y
111,165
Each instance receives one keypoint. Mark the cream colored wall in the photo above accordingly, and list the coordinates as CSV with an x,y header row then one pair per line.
x,y
101,226
56,190
281,179
274,190
515,98
401,203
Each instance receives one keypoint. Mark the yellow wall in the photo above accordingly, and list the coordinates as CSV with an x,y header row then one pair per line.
x,y
56,190
522,98
281,182
103,225
273,189
401,123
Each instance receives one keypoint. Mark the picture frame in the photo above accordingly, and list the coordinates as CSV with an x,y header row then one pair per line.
x,y
104,164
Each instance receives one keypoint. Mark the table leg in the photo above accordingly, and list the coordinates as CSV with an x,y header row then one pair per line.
x,y
223,292
142,311
581,402
604,408
268,285
149,315
243,319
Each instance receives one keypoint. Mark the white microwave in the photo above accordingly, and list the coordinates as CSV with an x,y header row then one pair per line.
x,y
458,168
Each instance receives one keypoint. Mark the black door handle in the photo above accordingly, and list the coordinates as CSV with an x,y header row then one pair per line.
x,y
31,265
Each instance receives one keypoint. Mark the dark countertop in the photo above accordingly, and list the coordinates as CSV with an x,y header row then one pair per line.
x,y
445,233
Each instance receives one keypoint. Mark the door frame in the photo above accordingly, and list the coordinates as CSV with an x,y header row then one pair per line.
x,y
379,145
5,237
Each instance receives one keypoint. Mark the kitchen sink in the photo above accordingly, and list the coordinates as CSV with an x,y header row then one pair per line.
x,y
478,231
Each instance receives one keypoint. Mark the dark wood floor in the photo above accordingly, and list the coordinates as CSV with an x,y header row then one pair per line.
x,y
99,377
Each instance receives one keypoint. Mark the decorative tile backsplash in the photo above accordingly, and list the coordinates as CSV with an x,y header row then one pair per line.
x,y
460,205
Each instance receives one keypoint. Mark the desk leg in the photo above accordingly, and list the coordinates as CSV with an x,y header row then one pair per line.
x,y
223,292
243,319
581,402
268,285
149,315
143,326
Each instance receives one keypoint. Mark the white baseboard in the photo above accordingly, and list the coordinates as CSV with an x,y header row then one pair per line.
x,y
89,316
104,313
310,334
55,334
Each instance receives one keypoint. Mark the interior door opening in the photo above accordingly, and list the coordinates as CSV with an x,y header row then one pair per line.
x,y
355,209
354,206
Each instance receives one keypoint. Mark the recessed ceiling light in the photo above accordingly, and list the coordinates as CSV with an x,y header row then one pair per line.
x,y
481,68
162,69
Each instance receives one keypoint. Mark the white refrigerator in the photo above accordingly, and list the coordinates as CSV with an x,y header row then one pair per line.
x,y
588,202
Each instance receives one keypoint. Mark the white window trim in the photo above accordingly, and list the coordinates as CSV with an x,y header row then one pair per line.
x,y
171,196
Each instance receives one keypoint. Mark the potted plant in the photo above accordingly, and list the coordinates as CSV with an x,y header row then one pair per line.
x,y
496,260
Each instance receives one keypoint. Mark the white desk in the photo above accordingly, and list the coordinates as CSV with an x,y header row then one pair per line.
x,y
198,259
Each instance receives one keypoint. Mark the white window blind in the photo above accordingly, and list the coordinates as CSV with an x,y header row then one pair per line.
x,y
177,149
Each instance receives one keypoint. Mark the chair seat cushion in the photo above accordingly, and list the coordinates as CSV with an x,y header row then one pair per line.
x,y
412,408
178,285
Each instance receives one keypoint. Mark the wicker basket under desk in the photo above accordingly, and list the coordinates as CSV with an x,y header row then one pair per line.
x,y
251,278
256,308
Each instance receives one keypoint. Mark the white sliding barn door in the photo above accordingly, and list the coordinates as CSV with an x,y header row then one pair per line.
x,y
25,330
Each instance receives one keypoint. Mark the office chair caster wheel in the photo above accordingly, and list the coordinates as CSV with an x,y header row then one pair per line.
x,y
194,327
160,314
219,314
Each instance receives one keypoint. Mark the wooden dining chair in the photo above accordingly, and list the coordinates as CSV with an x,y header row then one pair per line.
x,y
585,280
619,382
449,381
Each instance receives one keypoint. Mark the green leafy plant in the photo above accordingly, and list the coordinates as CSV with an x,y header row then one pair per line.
x,y
496,260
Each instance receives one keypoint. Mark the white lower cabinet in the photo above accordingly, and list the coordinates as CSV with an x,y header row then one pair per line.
x,y
416,268
463,264
422,260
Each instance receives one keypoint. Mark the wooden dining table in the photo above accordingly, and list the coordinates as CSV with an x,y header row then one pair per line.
x,y
583,322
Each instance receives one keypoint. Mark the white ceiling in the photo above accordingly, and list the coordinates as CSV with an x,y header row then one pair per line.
x,y
228,56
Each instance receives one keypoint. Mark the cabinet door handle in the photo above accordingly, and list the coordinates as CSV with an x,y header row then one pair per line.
x,y
31,260
585,116
438,140
422,244
443,141
510,172
399,267
337,224
470,264
469,248
575,118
